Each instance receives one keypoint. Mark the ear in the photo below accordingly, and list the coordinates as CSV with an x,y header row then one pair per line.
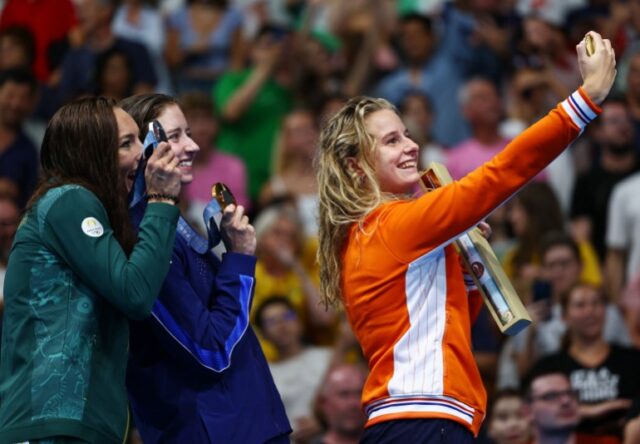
x,y
353,165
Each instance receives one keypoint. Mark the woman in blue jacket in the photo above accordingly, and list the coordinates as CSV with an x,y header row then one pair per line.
x,y
197,372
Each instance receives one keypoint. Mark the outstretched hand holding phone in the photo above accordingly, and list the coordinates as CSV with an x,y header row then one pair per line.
x,y
598,70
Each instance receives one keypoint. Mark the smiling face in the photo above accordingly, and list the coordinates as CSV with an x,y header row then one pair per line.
x,y
396,155
509,424
179,134
584,313
129,146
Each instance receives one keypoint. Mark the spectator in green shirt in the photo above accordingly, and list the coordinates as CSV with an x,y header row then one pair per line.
x,y
252,104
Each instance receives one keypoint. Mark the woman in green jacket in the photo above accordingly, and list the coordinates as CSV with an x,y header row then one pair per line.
x,y
76,275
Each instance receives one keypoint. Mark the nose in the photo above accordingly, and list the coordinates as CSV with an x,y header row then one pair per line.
x,y
410,146
191,146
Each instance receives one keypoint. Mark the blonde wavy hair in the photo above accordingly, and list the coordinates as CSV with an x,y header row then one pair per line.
x,y
347,194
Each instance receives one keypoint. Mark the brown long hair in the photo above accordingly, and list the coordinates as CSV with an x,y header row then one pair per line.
x,y
544,215
146,107
80,146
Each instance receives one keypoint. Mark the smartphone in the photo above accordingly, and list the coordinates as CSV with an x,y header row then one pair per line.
x,y
223,195
155,135
158,131
542,292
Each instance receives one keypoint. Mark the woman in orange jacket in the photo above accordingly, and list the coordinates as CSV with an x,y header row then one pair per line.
x,y
389,258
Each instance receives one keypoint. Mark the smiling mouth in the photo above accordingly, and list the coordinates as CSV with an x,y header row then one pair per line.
x,y
410,164
185,163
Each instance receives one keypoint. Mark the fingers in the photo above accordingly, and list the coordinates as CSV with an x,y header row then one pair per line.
x,y
162,174
234,216
237,233
485,229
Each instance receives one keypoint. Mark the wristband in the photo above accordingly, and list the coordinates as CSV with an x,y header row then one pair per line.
x,y
164,196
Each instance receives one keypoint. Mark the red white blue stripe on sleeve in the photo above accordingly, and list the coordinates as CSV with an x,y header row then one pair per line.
x,y
580,109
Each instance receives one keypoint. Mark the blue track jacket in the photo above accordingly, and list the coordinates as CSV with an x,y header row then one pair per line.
x,y
196,371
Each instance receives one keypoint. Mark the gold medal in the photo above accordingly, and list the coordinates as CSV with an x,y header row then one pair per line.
x,y
222,194
589,45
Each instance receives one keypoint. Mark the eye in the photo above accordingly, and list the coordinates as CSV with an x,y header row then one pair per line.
x,y
392,141
174,137
125,143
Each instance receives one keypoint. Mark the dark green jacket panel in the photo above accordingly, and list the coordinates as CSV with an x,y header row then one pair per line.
x,y
69,290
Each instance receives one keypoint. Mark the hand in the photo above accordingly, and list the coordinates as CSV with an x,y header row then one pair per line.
x,y
266,57
237,233
485,229
539,311
162,174
598,70
604,407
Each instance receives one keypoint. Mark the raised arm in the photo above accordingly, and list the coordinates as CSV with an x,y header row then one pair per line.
x,y
208,322
441,215
77,227
207,328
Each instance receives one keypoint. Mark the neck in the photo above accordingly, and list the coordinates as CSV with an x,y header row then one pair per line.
x,y
335,437
554,437
289,351
588,351
486,135
581,343
101,38
616,163
274,267
301,162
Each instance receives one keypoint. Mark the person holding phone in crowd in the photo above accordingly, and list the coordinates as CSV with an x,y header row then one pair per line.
x,y
389,258
77,274
196,371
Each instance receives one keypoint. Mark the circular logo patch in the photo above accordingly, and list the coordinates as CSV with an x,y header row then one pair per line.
x,y
92,227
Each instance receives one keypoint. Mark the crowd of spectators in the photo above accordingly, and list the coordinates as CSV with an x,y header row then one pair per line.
x,y
256,80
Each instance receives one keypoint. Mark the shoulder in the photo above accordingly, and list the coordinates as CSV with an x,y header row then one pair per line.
x,y
630,184
68,200
72,195
627,354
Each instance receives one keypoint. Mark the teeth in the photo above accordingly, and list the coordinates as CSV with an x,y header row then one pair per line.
x,y
186,163
406,165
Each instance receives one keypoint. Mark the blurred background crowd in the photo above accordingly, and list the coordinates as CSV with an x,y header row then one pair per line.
x,y
257,78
